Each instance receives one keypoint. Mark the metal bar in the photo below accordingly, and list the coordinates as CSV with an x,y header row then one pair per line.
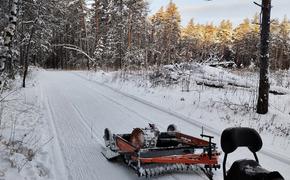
x,y
224,166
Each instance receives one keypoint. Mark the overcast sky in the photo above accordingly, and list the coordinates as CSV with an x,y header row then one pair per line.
x,y
214,11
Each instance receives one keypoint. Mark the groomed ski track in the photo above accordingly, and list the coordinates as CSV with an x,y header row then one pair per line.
x,y
78,110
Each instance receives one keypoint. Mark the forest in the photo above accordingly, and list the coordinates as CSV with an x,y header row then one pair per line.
x,y
68,34
73,70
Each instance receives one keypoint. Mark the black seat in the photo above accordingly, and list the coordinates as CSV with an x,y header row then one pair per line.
x,y
231,139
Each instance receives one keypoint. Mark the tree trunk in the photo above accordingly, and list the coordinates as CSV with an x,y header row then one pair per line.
x,y
6,57
97,20
264,86
130,31
84,33
26,61
25,73
119,43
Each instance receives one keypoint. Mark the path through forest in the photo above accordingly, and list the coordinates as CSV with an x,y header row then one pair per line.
x,y
79,110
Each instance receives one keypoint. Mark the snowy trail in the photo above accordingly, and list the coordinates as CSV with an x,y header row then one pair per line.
x,y
210,129
268,158
80,110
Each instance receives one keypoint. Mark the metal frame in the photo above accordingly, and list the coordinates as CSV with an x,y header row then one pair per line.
x,y
171,157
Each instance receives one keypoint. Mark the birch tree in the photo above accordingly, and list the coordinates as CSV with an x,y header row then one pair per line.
x,y
6,64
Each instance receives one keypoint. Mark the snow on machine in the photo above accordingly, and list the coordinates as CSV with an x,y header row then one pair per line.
x,y
245,169
151,152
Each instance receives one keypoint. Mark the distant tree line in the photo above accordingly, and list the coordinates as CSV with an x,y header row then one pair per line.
x,y
119,34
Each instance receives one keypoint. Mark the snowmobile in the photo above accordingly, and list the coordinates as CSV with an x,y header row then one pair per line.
x,y
245,169
150,152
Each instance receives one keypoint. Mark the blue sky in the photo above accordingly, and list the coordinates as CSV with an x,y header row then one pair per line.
x,y
214,11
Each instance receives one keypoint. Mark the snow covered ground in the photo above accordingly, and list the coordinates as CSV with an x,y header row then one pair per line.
x,y
75,107
80,110
214,108
25,139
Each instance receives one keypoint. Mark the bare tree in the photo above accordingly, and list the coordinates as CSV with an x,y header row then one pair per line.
x,y
264,86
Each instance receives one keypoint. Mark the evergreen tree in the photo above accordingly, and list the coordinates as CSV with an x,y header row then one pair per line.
x,y
167,34
225,39
242,40
172,33
280,47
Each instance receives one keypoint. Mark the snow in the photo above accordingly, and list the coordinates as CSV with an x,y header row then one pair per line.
x,y
24,135
214,108
80,111
75,107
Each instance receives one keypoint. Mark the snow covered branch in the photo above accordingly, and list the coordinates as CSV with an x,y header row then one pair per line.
x,y
75,48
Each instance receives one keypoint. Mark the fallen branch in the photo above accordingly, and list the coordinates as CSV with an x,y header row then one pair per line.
x,y
3,98
210,84
76,48
275,92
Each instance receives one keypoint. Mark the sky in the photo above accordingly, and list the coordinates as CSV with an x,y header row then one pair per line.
x,y
203,11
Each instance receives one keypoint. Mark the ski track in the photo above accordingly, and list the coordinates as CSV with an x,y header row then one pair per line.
x,y
209,129
78,113
80,110
271,159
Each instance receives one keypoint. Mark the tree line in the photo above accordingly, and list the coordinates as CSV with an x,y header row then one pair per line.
x,y
119,34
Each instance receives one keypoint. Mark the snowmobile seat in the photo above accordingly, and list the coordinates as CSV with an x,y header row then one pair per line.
x,y
233,138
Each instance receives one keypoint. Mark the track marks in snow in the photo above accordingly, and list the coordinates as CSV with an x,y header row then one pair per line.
x,y
75,109
267,157
77,104
190,121
57,148
88,127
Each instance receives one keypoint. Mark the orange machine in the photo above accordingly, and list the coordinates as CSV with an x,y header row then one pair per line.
x,y
151,152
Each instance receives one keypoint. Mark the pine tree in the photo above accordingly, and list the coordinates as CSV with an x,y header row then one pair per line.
x,y
167,34
157,36
4,15
172,32
99,53
283,44
136,31
189,41
225,39
241,43
225,32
